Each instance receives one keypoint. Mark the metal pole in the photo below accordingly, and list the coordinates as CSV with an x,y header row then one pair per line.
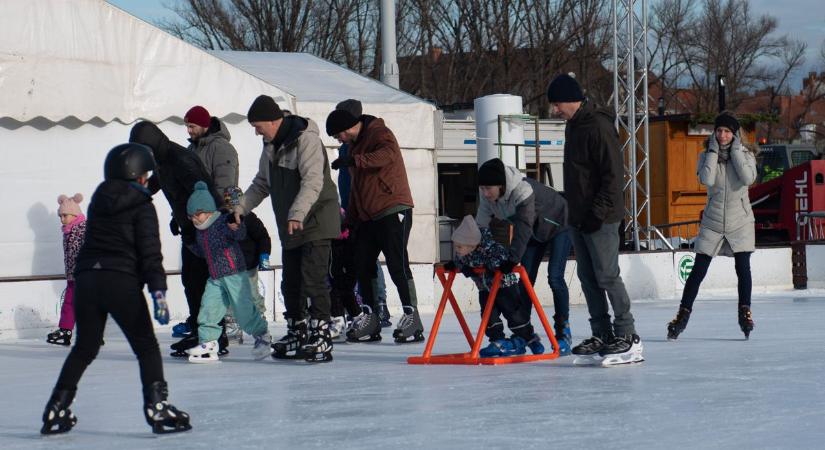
x,y
538,151
389,62
645,125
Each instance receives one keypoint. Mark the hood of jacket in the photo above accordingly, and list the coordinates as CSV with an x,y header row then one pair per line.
x,y
515,191
149,134
588,114
113,197
217,130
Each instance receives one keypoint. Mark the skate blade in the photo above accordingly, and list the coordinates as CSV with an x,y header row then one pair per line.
x,y
261,355
373,338
276,355
160,429
587,360
179,354
203,359
318,358
614,362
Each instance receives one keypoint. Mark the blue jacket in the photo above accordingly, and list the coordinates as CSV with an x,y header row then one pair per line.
x,y
221,248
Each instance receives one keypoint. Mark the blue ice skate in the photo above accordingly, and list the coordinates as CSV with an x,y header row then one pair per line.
x,y
534,344
504,347
563,336
181,330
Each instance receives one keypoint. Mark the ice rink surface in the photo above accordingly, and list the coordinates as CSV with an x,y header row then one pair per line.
x,y
709,389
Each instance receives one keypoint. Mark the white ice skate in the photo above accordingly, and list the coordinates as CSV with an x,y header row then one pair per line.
x,y
630,356
206,352
588,360
263,347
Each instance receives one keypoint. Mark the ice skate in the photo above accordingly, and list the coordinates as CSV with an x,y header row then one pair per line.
x,y
535,345
58,418
183,345
409,328
561,329
504,347
60,336
338,329
318,347
587,352
262,347
181,330
384,315
622,350
745,320
223,344
365,327
234,333
676,326
289,346
160,415
204,353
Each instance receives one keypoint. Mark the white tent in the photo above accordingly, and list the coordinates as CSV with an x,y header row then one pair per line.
x,y
318,85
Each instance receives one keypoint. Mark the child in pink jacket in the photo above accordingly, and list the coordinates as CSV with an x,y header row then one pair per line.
x,y
74,230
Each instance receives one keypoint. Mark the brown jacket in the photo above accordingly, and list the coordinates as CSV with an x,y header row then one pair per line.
x,y
379,178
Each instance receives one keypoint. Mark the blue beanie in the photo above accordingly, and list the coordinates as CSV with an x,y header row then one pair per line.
x,y
200,200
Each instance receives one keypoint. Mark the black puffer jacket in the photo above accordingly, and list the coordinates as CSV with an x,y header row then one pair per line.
x,y
122,234
593,167
257,240
177,171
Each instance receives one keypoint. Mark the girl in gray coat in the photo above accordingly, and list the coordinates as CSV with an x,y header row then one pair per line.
x,y
727,167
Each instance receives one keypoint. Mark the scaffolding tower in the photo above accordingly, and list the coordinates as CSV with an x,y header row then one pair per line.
x,y
630,70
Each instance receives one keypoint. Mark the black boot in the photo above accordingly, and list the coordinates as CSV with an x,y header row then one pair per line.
x,y
289,346
58,418
160,415
676,326
60,336
318,347
745,320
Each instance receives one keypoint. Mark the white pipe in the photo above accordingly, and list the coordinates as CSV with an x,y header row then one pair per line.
x,y
389,62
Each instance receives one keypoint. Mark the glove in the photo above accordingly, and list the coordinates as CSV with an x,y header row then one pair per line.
x,y
263,261
507,267
449,266
173,227
161,308
343,161
468,271
590,224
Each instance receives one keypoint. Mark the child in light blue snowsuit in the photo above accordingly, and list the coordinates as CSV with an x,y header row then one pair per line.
x,y
476,248
217,240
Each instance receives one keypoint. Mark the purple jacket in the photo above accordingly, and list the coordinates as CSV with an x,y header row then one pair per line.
x,y
73,235
219,246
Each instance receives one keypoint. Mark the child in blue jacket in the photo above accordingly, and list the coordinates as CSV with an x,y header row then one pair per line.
x,y
476,248
217,240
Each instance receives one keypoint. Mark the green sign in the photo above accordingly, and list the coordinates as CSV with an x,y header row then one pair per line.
x,y
685,266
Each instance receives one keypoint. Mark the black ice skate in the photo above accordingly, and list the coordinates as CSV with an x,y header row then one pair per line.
x,y
622,350
318,347
587,352
409,328
745,320
366,327
384,315
223,344
676,326
60,336
289,346
183,345
160,415
58,418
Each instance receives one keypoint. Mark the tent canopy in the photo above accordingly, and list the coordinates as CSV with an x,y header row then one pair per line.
x,y
88,59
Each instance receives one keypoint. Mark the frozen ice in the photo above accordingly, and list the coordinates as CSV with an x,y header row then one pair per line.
x,y
709,389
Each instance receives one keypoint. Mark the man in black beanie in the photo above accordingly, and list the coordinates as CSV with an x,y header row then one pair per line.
x,y
593,183
294,172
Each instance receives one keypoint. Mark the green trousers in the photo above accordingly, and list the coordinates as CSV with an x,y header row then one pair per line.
x,y
231,290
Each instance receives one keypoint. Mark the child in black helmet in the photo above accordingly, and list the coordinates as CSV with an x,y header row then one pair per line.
x,y
121,253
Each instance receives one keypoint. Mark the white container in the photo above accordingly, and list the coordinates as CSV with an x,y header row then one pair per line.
x,y
487,111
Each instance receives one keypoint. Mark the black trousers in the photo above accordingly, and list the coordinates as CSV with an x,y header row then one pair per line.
x,y
194,273
509,305
342,274
97,295
388,235
304,277
742,263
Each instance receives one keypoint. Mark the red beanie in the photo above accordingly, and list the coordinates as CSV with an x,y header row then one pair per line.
x,y
199,116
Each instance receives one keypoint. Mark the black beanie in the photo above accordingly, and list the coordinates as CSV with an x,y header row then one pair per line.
x,y
264,109
564,89
340,120
726,120
351,106
491,173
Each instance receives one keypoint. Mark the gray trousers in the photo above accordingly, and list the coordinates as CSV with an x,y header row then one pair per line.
x,y
597,264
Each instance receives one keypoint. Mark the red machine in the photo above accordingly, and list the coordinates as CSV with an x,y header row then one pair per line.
x,y
778,203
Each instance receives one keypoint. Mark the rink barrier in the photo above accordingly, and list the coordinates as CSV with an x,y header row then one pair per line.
x,y
473,358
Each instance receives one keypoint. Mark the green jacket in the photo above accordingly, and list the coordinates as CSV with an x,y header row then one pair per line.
x,y
296,178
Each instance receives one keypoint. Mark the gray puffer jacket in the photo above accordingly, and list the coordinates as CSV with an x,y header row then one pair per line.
x,y
727,224
219,156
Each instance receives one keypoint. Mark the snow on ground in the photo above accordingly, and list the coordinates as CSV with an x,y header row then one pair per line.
x,y
709,389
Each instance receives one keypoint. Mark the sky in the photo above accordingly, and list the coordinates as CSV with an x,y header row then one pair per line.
x,y
799,19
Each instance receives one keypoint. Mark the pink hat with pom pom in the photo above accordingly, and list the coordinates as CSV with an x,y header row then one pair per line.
x,y
69,205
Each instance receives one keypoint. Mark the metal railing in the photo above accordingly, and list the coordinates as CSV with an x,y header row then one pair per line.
x,y
810,226
672,236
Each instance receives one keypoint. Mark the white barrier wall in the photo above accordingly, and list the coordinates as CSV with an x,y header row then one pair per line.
x,y
28,308
815,261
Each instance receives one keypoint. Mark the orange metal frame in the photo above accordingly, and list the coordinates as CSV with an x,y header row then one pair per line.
x,y
473,358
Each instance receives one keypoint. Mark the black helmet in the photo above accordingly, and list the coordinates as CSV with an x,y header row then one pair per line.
x,y
128,162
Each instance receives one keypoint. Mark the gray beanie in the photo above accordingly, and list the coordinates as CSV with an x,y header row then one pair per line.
x,y
467,233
